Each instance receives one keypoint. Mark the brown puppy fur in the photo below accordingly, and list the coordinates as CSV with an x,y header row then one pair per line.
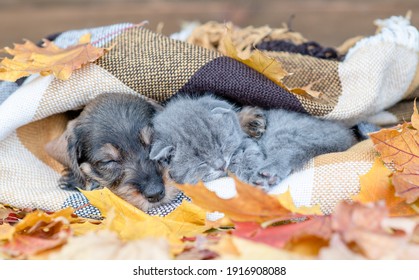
x,y
108,145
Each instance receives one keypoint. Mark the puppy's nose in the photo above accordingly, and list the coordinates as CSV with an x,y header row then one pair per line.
x,y
154,195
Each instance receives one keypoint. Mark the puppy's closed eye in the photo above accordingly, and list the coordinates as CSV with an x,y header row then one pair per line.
x,y
108,162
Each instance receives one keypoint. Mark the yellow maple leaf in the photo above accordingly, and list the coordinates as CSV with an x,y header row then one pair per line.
x,y
131,223
376,186
38,216
285,199
29,59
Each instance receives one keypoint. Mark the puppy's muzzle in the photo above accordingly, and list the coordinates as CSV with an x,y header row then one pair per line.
x,y
154,193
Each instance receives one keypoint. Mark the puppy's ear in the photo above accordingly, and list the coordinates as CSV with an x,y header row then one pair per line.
x,y
146,135
74,177
57,148
161,152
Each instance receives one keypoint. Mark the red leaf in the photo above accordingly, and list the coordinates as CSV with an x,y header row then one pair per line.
x,y
279,236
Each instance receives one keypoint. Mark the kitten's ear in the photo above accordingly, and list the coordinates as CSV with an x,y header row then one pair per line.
x,y
161,152
220,110
146,135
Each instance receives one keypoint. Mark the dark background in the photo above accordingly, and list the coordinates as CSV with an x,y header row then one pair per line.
x,y
325,21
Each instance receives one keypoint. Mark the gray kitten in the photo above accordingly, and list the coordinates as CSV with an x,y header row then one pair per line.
x,y
291,139
203,138
195,139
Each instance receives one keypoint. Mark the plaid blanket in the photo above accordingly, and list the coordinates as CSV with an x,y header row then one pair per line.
x,y
375,82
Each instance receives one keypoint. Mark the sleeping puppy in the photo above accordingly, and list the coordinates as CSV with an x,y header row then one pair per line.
x,y
108,145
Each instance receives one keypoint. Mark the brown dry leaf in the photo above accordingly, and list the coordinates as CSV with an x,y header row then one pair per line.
x,y
406,224
37,238
105,245
29,59
338,250
38,232
250,203
308,92
376,186
398,146
266,65
361,227
407,185
257,60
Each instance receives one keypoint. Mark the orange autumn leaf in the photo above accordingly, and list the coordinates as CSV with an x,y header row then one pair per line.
x,y
30,244
399,146
39,231
249,205
29,59
376,186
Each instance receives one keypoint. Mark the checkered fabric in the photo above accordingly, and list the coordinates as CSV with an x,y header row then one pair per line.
x,y
376,82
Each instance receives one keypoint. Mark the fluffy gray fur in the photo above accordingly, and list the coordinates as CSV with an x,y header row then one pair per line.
x,y
201,138
291,139
195,139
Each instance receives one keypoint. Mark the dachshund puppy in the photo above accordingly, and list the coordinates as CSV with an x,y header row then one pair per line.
x,y
108,145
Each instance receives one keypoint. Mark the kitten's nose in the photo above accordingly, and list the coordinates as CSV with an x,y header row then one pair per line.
x,y
220,165
154,194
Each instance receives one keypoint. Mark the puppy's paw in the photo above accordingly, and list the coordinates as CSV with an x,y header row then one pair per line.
x,y
253,121
69,181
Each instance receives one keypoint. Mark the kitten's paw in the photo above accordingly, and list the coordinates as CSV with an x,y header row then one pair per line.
x,y
244,162
252,121
264,180
269,176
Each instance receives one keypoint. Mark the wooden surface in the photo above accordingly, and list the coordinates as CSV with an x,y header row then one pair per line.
x,y
327,22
